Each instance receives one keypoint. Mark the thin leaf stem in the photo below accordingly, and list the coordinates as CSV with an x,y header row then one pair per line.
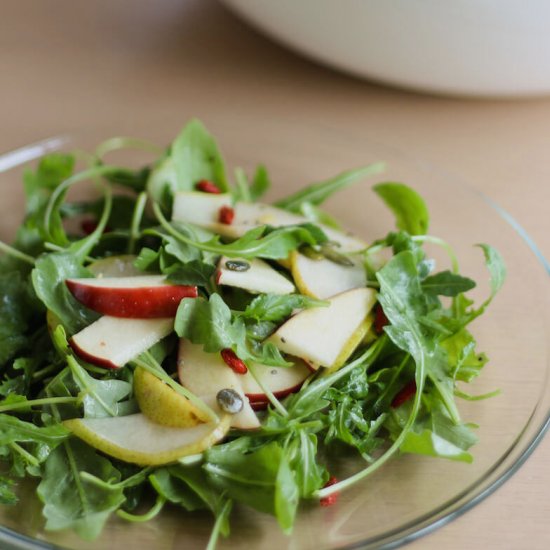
x,y
14,253
155,510
220,518
26,455
38,403
137,216
443,244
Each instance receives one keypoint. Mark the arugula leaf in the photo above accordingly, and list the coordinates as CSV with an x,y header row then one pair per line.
x,y
410,210
71,501
7,494
447,283
18,307
194,156
210,324
14,430
260,183
301,454
175,490
276,307
195,272
49,276
317,193
261,479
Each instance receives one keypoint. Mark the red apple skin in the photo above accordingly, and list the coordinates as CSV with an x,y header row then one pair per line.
x,y
261,397
94,360
137,303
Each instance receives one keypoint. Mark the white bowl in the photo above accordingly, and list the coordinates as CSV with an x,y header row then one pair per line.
x,y
458,47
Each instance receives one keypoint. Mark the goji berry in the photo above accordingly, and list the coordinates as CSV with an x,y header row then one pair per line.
x,y
226,215
233,362
207,186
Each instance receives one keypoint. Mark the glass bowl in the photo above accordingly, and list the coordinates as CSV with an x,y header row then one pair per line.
x,y
411,495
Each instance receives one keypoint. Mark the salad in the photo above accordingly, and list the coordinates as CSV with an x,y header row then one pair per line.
x,y
176,341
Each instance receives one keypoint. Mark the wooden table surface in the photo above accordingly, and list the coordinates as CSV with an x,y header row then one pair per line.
x,y
143,68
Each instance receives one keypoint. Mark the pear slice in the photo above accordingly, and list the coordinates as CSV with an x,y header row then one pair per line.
x,y
324,278
327,336
203,209
111,342
163,405
259,277
137,439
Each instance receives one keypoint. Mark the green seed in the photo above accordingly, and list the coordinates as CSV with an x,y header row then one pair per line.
x,y
229,401
237,265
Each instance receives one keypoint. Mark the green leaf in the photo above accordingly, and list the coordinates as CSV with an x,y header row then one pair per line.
x,y
194,272
274,307
49,276
18,307
209,323
301,453
73,502
408,206
7,494
193,156
212,324
260,183
174,489
317,193
497,269
447,283
196,157
100,398
14,430
261,479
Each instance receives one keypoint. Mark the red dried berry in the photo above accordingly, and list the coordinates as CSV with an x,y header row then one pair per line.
x,y
331,499
404,394
380,319
233,362
226,215
207,187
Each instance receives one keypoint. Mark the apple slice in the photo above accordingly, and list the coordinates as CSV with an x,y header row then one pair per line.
x,y
162,404
326,336
144,297
324,278
115,266
112,342
137,439
258,277
203,209
201,371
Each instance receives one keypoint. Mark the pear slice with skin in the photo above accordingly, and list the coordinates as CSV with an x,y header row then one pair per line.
x,y
324,278
259,277
326,336
163,405
138,440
